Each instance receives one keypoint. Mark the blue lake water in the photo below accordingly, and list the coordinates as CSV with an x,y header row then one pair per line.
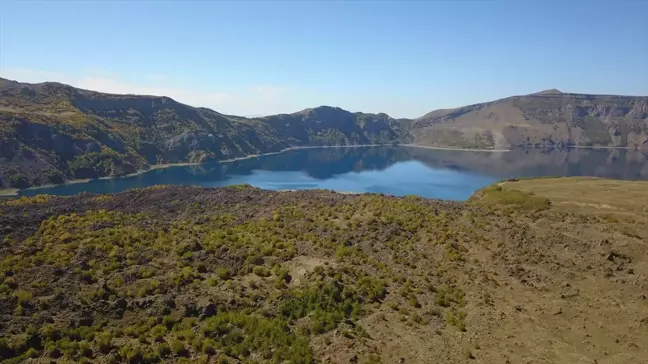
x,y
444,174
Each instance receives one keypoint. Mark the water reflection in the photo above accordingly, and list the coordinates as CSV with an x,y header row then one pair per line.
x,y
395,170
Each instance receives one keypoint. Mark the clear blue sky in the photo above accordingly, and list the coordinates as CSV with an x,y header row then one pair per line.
x,y
402,58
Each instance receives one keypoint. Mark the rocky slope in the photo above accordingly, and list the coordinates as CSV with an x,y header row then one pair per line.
x,y
533,271
51,132
545,119
327,125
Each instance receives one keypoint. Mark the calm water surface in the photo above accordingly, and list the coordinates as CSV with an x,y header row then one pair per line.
x,y
444,174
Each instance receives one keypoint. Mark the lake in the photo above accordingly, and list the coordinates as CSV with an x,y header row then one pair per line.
x,y
432,173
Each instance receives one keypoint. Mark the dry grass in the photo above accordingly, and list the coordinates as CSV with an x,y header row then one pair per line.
x,y
585,194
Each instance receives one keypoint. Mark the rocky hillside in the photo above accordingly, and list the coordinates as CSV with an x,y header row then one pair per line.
x,y
52,132
327,125
545,119
533,271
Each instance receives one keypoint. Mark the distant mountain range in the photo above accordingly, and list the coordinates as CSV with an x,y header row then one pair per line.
x,y
50,132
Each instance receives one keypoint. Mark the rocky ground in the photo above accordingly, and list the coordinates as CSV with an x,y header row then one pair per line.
x,y
531,271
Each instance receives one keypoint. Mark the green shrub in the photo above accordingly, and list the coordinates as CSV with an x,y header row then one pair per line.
x,y
447,296
23,296
178,348
163,350
168,321
209,346
497,195
222,273
261,271
457,319
241,334
104,343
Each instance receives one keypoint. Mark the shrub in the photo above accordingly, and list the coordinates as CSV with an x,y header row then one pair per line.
x,y
158,332
104,343
163,350
446,296
23,296
222,273
168,321
261,271
414,302
498,195
178,348
11,282
209,346
456,318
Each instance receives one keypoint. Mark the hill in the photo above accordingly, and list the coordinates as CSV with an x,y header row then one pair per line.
x,y
327,125
51,132
546,119
549,271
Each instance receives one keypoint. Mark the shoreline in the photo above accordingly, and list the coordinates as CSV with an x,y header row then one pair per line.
x,y
604,147
12,192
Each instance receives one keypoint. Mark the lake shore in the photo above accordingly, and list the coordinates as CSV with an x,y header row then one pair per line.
x,y
12,192
9,192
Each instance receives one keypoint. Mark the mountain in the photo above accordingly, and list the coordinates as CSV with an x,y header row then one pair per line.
x,y
531,271
50,132
327,125
545,119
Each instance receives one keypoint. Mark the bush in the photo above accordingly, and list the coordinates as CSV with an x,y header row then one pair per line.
x,y
178,348
104,343
209,347
261,271
456,318
222,273
447,296
163,350
498,195
168,321
241,334
23,296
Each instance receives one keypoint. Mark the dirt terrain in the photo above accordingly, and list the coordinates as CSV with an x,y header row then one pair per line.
x,y
532,271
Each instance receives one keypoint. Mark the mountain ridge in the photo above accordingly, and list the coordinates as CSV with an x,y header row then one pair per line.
x,y
52,132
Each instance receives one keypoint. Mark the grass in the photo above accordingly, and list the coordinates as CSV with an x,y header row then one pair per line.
x,y
588,194
500,195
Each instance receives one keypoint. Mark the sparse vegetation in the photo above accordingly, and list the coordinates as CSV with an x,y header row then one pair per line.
x,y
505,196
185,273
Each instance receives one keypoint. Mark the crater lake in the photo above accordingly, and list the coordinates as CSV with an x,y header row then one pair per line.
x,y
395,170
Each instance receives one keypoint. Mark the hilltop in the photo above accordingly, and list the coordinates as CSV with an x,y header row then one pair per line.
x,y
51,132
548,271
548,118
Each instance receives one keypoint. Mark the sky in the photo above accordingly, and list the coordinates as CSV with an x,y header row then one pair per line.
x,y
404,58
